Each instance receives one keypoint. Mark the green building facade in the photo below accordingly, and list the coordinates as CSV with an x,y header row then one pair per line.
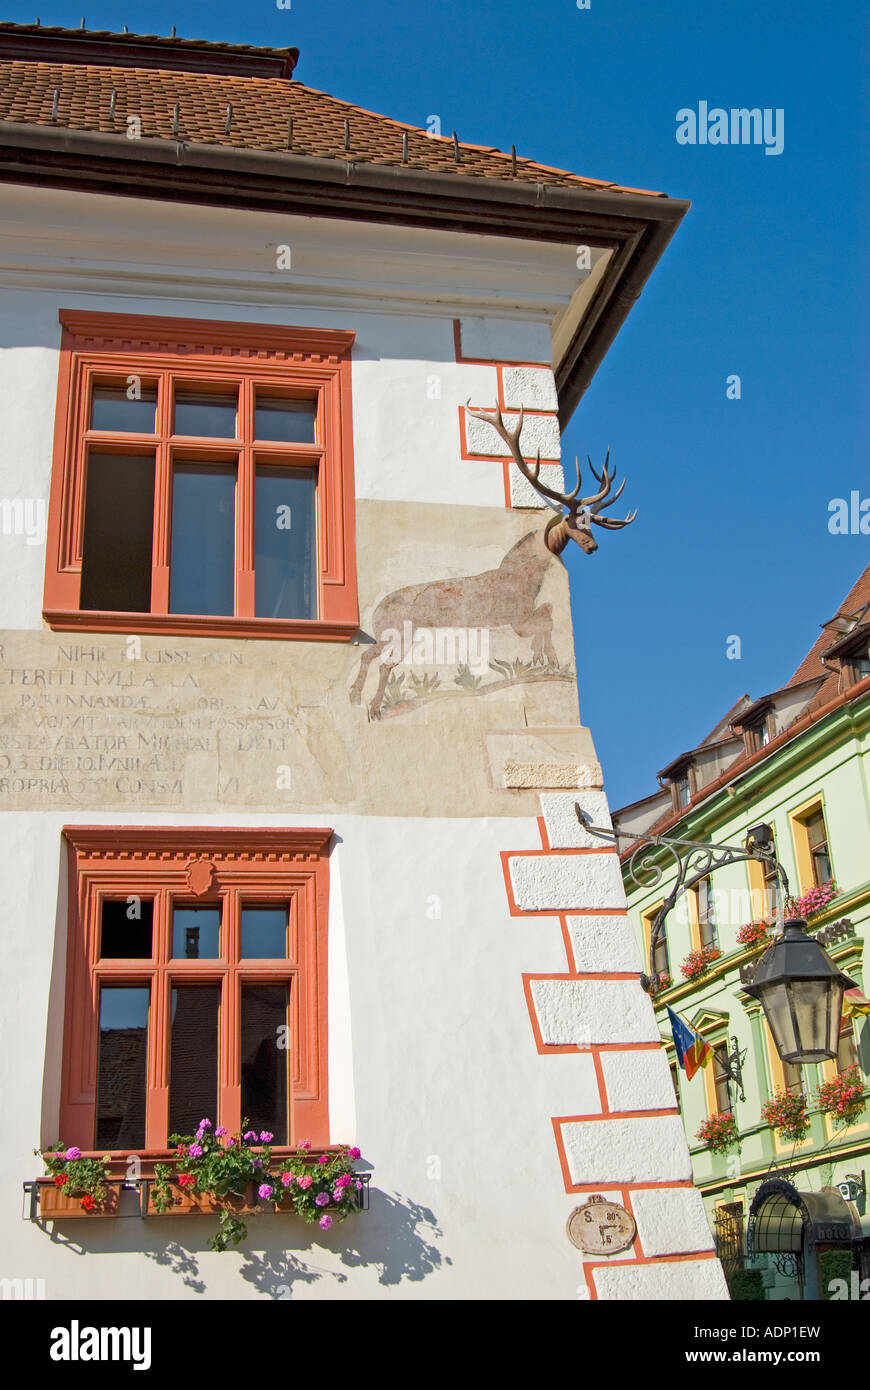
x,y
789,1216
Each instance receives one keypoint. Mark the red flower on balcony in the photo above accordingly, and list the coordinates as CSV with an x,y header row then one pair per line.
x,y
751,933
697,962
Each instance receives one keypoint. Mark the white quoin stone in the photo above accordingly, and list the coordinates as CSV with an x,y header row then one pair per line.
x,y
664,1281
642,1149
532,387
593,1011
539,432
524,495
671,1220
638,1080
564,830
604,944
561,882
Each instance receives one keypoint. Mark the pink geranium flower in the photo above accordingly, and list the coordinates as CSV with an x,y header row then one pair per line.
x,y
287,1178
325,1222
304,1182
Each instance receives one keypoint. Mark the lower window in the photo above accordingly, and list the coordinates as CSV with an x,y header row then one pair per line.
x,y
195,985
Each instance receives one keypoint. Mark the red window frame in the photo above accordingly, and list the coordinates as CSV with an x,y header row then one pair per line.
x,y
205,355
197,866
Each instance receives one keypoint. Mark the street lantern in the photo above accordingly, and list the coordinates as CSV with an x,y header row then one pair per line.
x,y
801,992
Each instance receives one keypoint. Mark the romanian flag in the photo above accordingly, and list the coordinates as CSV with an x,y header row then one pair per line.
x,y
854,1004
692,1051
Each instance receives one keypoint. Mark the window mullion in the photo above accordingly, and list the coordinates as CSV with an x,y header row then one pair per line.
x,y
245,504
162,498
157,1113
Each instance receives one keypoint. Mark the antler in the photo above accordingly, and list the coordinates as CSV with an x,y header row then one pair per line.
x,y
611,523
573,523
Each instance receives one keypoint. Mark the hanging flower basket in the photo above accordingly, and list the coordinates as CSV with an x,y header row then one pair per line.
x,y
720,1132
752,933
813,901
79,1186
788,1114
843,1097
698,962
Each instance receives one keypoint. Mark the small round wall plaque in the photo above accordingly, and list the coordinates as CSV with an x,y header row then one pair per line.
x,y
601,1227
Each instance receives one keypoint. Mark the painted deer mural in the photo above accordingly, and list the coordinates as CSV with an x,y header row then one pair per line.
x,y
502,597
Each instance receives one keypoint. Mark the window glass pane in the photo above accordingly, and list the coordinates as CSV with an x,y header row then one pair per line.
x,y
264,933
661,961
119,517
284,543
203,539
193,1057
213,417
264,1063
113,409
720,1079
847,1054
285,421
121,1080
196,933
816,829
125,929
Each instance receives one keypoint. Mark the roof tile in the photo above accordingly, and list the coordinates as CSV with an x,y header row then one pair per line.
x,y
262,108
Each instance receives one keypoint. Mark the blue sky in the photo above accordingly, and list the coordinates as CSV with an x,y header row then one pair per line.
x,y
764,279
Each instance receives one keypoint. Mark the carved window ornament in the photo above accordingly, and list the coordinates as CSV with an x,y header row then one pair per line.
x,y
230,869
202,419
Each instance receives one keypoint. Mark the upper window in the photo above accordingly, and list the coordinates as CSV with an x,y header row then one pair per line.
x,y
707,929
195,985
817,840
721,1080
203,480
681,790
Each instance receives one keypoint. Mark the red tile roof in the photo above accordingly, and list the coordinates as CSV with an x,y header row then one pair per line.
x,y
193,106
826,697
811,666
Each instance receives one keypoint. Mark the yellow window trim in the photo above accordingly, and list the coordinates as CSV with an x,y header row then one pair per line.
x,y
801,840
715,1041
646,919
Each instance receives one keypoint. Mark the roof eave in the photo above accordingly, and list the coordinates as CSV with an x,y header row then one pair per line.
x,y
636,226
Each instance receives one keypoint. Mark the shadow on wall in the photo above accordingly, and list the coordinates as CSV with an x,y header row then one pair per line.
x,y
395,1238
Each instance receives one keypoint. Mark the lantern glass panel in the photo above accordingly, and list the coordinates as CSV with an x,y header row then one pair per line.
x,y
778,1012
810,1003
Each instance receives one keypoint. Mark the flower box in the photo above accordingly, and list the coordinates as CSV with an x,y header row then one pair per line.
x,y
54,1205
698,962
754,933
205,1204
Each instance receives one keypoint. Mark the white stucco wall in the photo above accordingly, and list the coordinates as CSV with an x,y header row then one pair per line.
x,y
431,1073
434,1068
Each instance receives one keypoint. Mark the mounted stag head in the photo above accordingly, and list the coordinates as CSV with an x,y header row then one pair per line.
x,y
574,522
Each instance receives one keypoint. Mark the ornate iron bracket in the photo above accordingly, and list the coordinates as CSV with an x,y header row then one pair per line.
x,y
732,1066
693,860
